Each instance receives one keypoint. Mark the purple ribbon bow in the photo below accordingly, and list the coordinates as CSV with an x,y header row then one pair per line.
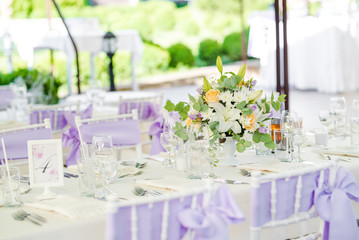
x,y
211,223
156,129
334,207
70,138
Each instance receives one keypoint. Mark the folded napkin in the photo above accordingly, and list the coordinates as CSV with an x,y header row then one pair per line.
x,y
275,167
170,183
346,151
71,207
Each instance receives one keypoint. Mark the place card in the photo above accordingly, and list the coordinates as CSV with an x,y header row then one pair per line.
x,y
45,165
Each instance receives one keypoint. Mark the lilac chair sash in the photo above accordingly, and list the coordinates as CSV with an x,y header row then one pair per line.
x,y
61,121
6,97
123,132
149,218
70,138
211,223
286,190
16,142
334,207
146,110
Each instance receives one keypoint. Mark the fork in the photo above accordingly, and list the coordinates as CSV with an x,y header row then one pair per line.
x,y
22,215
34,215
245,172
140,165
138,191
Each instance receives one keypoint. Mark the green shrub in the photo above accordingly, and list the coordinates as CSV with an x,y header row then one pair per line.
x,y
232,46
35,81
208,51
180,53
154,59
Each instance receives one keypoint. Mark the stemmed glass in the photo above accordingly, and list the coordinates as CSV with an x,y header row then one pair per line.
x,y
211,154
105,163
298,135
289,120
168,141
355,106
337,109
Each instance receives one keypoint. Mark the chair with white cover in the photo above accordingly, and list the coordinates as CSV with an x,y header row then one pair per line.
x,y
181,215
148,108
124,130
6,96
15,140
56,114
283,199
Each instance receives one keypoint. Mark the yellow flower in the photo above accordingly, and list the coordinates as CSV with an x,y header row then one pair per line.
x,y
251,122
212,96
188,122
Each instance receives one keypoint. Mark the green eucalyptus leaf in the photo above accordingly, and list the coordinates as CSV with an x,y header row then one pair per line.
x,y
247,144
170,106
204,108
191,98
266,138
179,106
207,86
270,145
219,64
182,134
197,106
177,126
272,97
256,137
240,147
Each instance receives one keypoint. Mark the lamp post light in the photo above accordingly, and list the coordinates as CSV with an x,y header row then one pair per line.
x,y
109,46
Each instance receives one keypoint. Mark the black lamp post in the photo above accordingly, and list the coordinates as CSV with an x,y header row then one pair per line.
x,y
109,46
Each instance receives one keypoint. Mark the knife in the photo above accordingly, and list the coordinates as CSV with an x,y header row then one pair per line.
x,y
228,181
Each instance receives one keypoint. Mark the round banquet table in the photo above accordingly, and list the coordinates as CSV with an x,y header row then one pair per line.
x,y
91,224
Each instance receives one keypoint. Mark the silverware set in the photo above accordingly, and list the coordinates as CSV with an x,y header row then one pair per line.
x,y
137,164
129,174
70,175
139,191
22,215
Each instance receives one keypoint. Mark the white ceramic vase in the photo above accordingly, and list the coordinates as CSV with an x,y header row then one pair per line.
x,y
229,148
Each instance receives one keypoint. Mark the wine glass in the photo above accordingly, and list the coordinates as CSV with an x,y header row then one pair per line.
x,y
107,165
289,120
337,109
168,142
298,137
355,106
324,118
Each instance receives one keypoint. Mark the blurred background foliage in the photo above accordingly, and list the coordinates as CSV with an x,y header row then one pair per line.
x,y
175,38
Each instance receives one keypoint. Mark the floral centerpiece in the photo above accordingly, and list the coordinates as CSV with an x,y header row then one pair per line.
x,y
231,107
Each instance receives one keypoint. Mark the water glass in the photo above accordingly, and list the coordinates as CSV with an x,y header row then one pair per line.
x,y
298,138
87,172
11,187
289,120
354,131
337,109
194,159
261,149
321,137
168,142
355,107
212,155
181,155
282,140
107,165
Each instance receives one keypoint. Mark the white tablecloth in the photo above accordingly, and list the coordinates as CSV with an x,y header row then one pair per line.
x,y
323,52
32,34
59,227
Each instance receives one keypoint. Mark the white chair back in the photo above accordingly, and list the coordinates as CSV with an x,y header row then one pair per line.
x,y
15,140
124,130
56,114
285,198
153,217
